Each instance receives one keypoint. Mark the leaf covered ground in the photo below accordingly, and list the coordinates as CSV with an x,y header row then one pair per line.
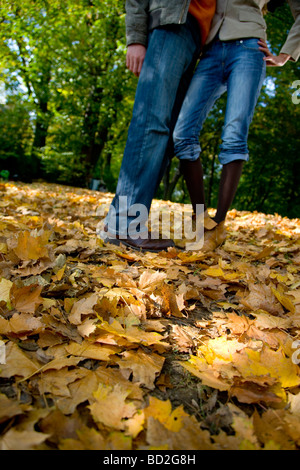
x,y
107,348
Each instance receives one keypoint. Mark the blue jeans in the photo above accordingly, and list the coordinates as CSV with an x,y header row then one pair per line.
x,y
233,66
166,73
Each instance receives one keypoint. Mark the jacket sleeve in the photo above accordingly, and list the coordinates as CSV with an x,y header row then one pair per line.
x,y
137,21
292,44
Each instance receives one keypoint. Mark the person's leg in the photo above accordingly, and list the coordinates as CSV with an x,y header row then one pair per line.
x,y
169,55
193,174
245,71
206,87
182,90
230,177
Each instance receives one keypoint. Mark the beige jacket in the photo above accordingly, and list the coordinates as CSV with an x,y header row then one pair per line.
x,y
236,19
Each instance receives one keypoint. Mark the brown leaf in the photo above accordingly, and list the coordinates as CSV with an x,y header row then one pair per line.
x,y
149,280
27,298
170,306
112,416
84,306
80,391
60,427
22,440
9,408
271,427
17,362
261,297
22,323
249,392
145,367
32,247
189,437
181,339
92,351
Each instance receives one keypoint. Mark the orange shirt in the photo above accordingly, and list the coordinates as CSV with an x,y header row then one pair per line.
x,y
203,11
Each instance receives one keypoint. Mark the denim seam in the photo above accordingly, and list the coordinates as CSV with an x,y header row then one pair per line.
x,y
252,114
206,107
261,80
146,133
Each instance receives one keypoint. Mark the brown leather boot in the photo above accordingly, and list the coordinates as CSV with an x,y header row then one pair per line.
x,y
139,244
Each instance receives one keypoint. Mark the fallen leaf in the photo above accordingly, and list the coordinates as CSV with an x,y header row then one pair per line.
x,y
5,288
26,299
9,408
32,247
80,391
17,363
22,440
145,367
92,351
162,411
84,306
112,416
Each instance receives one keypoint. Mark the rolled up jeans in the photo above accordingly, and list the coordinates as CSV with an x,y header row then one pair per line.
x,y
170,61
233,66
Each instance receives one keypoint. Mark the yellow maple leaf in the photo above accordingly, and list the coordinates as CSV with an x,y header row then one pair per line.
x,y
58,276
204,371
162,411
30,247
133,334
284,299
5,288
110,406
219,272
270,363
3,248
244,428
93,351
214,272
220,348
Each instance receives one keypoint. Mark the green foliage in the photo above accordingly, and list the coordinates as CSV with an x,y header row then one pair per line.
x,y
4,174
65,60
15,136
271,179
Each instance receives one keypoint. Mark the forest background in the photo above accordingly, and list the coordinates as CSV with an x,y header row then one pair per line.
x,y
66,100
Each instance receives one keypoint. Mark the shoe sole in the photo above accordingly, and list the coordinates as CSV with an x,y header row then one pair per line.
x,y
117,242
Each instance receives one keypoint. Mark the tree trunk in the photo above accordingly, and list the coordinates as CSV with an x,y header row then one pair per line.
x,y
42,119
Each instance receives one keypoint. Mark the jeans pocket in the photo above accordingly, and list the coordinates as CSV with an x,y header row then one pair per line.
x,y
250,44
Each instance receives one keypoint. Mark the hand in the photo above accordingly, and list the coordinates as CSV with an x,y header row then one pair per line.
x,y
270,59
135,58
